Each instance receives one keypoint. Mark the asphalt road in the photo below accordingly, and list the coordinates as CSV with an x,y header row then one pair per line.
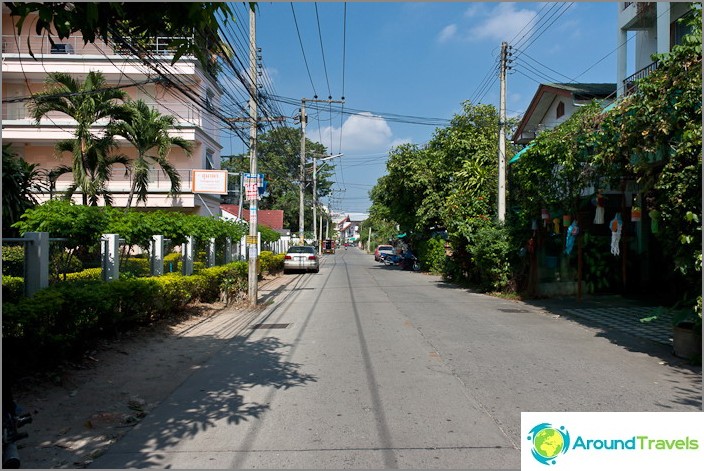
x,y
368,366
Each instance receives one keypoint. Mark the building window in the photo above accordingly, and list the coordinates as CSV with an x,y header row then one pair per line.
x,y
678,30
209,165
209,95
560,110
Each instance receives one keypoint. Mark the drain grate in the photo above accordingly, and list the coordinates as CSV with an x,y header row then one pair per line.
x,y
514,310
270,326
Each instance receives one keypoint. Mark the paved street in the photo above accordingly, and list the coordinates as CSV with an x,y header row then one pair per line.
x,y
366,366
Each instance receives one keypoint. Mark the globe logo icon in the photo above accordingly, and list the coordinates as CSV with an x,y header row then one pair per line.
x,y
548,442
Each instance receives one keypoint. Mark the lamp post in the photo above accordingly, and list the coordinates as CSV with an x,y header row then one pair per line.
x,y
315,195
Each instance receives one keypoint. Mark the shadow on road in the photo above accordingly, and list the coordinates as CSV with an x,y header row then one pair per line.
x,y
213,398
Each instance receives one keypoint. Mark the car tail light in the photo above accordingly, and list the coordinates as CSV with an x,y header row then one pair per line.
x,y
311,257
288,257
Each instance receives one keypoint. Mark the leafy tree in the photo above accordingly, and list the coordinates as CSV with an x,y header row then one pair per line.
x,y
88,103
123,22
148,130
655,135
279,159
20,180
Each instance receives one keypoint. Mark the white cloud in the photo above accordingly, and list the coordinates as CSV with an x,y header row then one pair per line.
x,y
504,22
447,33
361,133
474,10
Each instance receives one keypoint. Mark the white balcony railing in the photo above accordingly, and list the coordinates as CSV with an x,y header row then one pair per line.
x,y
73,45
121,180
185,114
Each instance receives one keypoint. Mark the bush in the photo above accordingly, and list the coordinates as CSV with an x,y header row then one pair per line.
x,y
270,263
136,266
12,289
89,274
432,255
172,263
13,260
490,253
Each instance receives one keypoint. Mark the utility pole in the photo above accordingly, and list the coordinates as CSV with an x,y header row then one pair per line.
x,y
502,136
315,194
252,238
301,185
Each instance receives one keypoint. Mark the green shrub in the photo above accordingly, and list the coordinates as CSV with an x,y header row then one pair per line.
x,y
89,274
172,263
12,288
432,255
136,266
490,250
13,260
270,263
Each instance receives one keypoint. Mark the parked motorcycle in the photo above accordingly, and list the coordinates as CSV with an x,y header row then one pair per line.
x,y
390,259
410,262
13,417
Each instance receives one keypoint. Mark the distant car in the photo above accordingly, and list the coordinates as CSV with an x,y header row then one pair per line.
x,y
301,257
383,249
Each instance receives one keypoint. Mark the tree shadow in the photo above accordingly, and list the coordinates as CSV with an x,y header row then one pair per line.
x,y
210,397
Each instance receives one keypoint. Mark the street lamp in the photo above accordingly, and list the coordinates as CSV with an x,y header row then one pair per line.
x,y
315,195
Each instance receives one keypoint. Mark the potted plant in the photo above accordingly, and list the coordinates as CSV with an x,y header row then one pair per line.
x,y
687,331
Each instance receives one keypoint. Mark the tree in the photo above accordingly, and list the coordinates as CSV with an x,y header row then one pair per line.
x,y
146,129
88,103
128,23
279,159
20,180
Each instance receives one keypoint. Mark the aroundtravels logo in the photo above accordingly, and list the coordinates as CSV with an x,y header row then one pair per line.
x,y
548,442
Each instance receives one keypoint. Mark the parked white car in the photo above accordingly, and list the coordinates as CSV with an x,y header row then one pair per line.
x,y
301,257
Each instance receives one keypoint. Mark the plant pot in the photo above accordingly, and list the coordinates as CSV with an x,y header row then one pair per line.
x,y
686,341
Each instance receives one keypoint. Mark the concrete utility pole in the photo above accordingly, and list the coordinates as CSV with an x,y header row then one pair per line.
x,y
301,173
315,195
252,238
502,136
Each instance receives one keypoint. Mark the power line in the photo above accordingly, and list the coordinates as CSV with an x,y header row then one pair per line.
x,y
300,41
322,51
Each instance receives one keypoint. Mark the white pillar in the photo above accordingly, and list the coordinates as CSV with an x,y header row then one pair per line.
x,y
187,250
621,61
228,250
663,27
110,254
211,252
36,262
157,255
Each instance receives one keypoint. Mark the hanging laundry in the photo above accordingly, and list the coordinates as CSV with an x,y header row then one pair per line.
x,y
600,203
572,233
616,226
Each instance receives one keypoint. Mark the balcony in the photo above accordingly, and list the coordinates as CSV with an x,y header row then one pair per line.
x,y
185,114
74,46
630,84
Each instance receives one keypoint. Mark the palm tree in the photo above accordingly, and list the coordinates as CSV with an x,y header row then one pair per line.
x,y
20,182
148,130
88,103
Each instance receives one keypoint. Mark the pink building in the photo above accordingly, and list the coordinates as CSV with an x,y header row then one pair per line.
x,y
23,75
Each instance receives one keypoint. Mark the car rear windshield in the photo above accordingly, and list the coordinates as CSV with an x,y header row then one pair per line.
x,y
301,249
385,247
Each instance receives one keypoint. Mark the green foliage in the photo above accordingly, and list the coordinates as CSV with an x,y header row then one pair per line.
x,y
432,255
60,321
20,180
89,274
13,260
134,266
490,247
279,153
133,24
270,263
601,271
12,288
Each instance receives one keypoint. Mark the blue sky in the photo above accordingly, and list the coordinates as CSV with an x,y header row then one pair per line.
x,y
421,60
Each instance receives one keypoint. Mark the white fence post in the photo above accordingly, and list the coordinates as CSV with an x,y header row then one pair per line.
x,y
211,252
110,256
243,249
157,255
36,262
228,250
187,250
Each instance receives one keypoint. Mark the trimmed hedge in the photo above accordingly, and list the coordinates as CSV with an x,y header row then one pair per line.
x,y
270,263
64,319
12,288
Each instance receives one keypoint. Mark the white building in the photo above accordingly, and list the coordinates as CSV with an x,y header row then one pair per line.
x,y
656,30
23,74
